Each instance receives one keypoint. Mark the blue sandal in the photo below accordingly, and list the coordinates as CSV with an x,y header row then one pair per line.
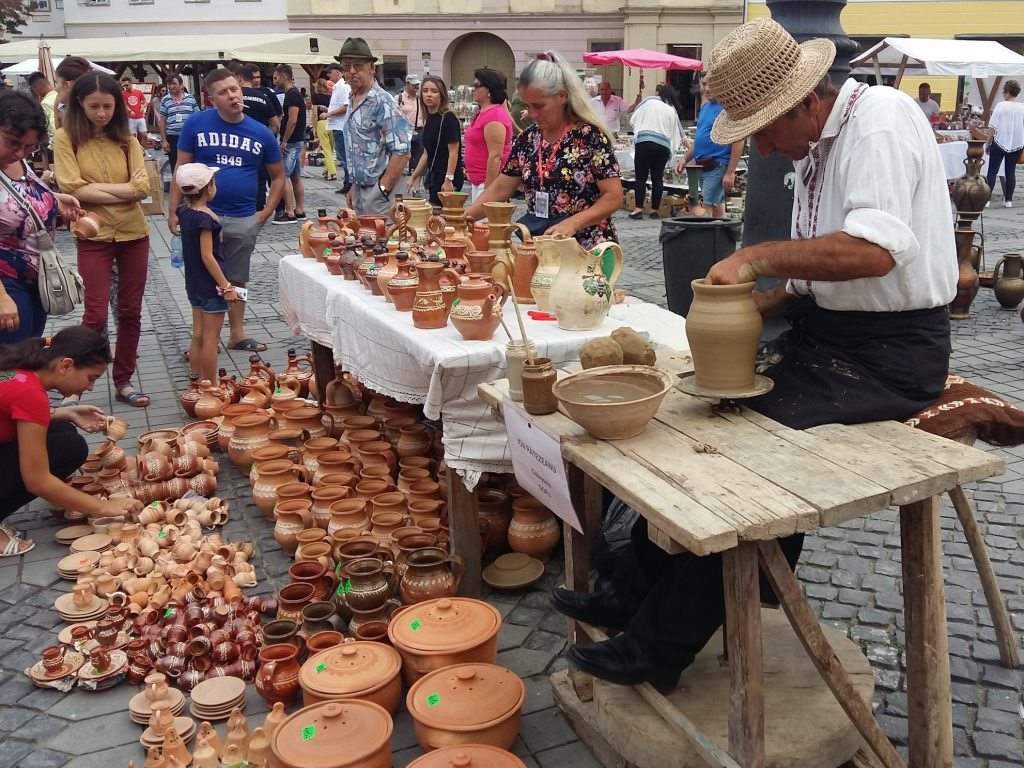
x,y
127,394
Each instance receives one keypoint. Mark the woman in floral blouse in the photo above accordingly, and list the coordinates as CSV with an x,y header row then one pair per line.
x,y
565,161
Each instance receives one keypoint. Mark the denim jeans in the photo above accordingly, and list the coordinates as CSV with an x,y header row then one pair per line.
x,y
31,315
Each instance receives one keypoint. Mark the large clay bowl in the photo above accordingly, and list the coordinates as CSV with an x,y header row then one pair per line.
x,y
613,402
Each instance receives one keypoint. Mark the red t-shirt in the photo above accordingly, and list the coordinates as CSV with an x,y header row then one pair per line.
x,y
22,398
136,101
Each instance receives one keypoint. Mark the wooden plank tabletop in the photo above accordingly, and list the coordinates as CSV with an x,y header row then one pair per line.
x,y
709,478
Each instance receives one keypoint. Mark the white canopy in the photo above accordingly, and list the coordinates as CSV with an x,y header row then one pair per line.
x,y
28,66
279,49
979,59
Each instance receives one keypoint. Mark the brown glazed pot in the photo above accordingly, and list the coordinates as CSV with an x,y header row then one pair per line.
x,y
430,573
315,574
335,734
723,328
368,583
278,675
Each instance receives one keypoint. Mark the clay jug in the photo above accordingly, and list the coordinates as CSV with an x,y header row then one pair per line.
x,y
228,417
368,583
349,259
272,475
430,573
453,205
333,462
499,225
495,507
477,311
305,247
307,418
723,328
402,286
481,262
970,192
251,431
419,213
323,497
428,309
581,293
967,282
349,514
373,227
384,274
455,249
338,393
524,265
259,371
378,452
315,574
413,440
278,676
257,394
300,367
292,517
381,258
191,396
312,449
533,530
1009,281
548,263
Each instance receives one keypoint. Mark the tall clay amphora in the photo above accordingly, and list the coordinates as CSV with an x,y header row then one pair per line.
x,y
971,192
581,293
544,275
723,328
967,282
1009,281
499,224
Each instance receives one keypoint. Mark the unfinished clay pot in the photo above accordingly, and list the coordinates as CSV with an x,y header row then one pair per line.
x,y
723,328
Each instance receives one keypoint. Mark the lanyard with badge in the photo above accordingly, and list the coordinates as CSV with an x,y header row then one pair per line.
x,y
542,200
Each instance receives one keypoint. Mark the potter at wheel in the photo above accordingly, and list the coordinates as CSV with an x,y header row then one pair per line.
x,y
870,270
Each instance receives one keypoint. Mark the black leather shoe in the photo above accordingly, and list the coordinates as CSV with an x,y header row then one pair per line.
x,y
624,661
602,609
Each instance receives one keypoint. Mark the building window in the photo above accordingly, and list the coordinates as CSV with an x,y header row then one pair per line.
x,y
392,71
686,82
40,6
94,2
58,4
140,2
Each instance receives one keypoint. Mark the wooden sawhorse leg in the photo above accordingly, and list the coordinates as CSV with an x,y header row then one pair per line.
x,y
323,367
1005,637
464,528
587,499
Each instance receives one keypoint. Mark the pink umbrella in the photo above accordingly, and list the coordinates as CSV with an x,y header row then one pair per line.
x,y
643,59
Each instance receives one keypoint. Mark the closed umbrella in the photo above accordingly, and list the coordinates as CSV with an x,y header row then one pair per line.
x,y
46,61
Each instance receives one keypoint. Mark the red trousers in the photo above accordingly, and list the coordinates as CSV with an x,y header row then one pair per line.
x,y
95,262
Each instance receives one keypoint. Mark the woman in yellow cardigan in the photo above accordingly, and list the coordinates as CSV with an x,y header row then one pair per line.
x,y
101,163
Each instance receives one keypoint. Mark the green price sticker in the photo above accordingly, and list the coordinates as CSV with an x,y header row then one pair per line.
x,y
337,570
455,303
432,700
416,624
308,732
276,392
341,590
327,252
168,612
321,666
348,586
155,504
162,535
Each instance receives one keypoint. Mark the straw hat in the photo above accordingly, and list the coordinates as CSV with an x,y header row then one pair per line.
x,y
758,73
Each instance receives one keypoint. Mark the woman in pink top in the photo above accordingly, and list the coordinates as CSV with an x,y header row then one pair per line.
x,y
489,136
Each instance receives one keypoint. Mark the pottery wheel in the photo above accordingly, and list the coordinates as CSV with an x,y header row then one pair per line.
x,y
688,384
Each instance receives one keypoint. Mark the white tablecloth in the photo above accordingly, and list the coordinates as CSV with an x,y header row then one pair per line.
x,y
435,368
953,155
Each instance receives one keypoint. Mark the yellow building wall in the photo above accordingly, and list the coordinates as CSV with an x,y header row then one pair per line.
x,y
927,18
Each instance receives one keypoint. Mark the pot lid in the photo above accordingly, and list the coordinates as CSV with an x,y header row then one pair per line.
x,y
468,756
350,668
444,624
466,697
333,734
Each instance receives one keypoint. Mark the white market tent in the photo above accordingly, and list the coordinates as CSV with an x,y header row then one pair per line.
x,y
987,61
28,66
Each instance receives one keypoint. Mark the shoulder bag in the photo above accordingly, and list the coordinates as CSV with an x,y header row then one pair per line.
x,y
60,287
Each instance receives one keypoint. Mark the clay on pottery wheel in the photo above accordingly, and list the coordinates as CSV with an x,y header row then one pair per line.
x,y
598,352
723,328
636,350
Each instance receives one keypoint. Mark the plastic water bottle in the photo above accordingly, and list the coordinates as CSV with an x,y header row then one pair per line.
x,y
177,257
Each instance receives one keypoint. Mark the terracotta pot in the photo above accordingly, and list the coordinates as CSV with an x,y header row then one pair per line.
x,y
367,489
378,452
348,514
422,510
468,756
318,550
481,704
723,328
353,670
278,676
495,507
321,641
533,530
294,492
228,417
352,734
273,452
323,497
251,431
391,502
271,476
430,573
292,517
312,449
425,490
407,477
292,598
315,575
438,633
413,440
332,462
367,583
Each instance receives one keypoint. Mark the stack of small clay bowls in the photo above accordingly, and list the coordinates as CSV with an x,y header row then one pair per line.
x,y
70,566
156,690
215,698
81,605
162,720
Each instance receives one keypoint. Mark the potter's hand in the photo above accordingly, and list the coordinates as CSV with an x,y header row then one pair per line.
x,y
447,186
738,268
565,227
86,417
120,506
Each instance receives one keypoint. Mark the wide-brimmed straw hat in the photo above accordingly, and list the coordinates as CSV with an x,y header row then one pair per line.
x,y
758,73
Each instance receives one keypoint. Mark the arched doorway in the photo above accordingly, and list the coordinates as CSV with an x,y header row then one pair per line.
x,y
478,50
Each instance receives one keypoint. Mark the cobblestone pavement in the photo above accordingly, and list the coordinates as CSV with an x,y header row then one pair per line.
x,y
850,573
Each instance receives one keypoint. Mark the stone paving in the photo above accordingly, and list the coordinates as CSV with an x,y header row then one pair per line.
x,y
851,573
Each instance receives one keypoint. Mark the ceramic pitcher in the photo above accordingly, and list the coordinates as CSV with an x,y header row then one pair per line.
x,y
544,275
1008,285
581,294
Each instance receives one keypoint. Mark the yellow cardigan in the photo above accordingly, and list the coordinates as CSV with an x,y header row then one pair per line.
x,y
102,161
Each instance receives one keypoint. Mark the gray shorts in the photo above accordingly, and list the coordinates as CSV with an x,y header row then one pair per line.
x,y
238,242
370,200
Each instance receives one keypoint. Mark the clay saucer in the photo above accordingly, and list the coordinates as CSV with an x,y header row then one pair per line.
x,y
139,706
65,605
217,691
94,542
118,662
79,617
69,534
65,634
513,571
123,639
73,661
214,715
185,726
68,566
688,384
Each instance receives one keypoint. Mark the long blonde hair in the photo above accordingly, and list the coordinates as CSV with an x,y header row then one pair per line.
x,y
550,72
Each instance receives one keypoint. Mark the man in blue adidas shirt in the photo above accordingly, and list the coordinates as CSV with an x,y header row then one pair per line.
x,y
225,138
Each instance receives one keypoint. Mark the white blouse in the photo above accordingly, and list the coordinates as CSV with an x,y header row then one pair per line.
x,y
876,174
1008,121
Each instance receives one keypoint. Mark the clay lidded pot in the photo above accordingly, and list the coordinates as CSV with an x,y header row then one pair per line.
x,y
278,676
353,670
723,328
468,756
349,733
478,704
534,530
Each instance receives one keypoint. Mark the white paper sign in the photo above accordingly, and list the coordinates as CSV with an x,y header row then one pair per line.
x,y
537,461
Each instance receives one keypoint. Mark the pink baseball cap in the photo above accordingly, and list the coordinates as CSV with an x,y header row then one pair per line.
x,y
192,177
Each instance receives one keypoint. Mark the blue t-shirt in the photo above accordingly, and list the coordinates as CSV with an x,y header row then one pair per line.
x,y
199,283
238,149
703,147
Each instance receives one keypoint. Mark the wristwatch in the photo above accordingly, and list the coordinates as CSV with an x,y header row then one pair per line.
x,y
450,176
383,190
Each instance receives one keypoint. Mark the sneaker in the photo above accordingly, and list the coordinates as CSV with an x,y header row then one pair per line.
x,y
1008,204
283,218
300,216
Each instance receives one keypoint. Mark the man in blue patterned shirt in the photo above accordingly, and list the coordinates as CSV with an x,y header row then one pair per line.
x,y
377,136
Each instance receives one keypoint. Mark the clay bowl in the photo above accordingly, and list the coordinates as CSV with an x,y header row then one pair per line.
x,y
613,402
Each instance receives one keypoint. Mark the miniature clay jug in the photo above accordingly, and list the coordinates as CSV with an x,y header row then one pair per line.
x,y
548,263
581,293
524,265
1009,281
300,367
477,310
968,281
723,328
428,308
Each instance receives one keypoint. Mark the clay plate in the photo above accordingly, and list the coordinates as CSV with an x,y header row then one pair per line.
x,y
185,726
94,542
688,384
65,634
72,532
118,661
513,571
215,693
65,605
613,402
73,661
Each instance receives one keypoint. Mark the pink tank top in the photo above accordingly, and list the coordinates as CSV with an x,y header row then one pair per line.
x,y
476,144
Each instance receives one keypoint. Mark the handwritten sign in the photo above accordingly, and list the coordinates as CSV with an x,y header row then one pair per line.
x,y
537,461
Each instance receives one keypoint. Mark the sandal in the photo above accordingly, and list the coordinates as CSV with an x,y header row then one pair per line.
x,y
636,214
16,547
70,400
249,345
12,533
128,394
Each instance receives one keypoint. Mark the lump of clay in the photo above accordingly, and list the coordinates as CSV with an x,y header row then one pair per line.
x,y
600,352
635,348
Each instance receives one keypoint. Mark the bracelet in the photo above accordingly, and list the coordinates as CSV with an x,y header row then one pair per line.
x,y
222,291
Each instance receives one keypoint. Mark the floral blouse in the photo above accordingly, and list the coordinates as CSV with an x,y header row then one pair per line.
x,y
19,258
584,157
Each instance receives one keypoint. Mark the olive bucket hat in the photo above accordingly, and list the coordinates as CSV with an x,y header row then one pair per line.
x,y
356,48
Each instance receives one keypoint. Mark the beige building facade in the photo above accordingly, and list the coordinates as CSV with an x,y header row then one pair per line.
x,y
454,37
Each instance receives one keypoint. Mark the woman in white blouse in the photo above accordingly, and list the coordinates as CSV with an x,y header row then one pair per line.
x,y
1008,122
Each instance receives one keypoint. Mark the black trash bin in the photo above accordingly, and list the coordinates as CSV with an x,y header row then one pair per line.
x,y
690,245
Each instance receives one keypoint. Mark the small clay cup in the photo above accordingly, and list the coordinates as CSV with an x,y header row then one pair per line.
x,y
53,658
